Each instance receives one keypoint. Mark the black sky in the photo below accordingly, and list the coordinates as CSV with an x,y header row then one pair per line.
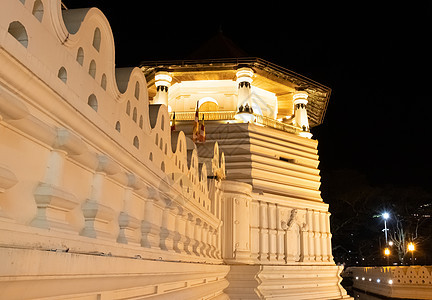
x,y
374,56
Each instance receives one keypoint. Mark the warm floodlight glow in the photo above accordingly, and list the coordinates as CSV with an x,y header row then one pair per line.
x,y
244,74
300,97
387,251
390,243
385,215
411,247
390,281
245,117
162,76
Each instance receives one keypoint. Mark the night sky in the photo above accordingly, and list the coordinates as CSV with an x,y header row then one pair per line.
x,y
376,58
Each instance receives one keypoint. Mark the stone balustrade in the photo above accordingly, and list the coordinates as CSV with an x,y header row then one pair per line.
x,y
230,115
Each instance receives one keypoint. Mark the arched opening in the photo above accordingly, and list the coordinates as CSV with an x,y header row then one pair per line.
x,y
134,115
137,90
117,126
92,69
80,56
38,10
128,107
208,104
136,142
141,122
62,74
97,39
92,102
104,81
17,30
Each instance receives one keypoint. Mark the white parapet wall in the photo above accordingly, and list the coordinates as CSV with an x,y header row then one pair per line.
x,y
97,198
408,282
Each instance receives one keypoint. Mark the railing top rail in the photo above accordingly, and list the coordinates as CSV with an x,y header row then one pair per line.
x,y
230,115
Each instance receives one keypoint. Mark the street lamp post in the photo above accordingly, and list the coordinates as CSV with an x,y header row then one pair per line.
x,y
385,216
387,254
411,248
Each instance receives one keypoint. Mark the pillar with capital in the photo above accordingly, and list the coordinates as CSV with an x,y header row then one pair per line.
x,y
244,101
300,113
162,82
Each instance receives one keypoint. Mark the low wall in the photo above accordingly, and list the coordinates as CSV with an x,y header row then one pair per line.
x,y
407,282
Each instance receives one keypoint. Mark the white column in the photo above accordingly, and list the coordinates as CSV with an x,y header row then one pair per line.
x,y
189,234
238,198
127,223
300,113
272,232
244,103
264,232
323,231
162,82
150,225
196,247
311,242
304,238
317,235
329,236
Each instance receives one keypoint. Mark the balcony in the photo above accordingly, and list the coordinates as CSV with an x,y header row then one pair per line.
x,y
230,116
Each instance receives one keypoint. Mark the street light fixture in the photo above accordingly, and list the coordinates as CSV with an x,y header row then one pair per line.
x,y
385,215
387,253
411,248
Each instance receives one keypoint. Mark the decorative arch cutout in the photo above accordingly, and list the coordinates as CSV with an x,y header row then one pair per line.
x,y
80,56
134,115
128,108
92,68
97,39
104,81
62,74
18,31
92,102
137,90
38,10
163,166
118,126
136,142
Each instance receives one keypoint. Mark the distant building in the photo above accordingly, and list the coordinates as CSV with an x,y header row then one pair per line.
x,y
101,199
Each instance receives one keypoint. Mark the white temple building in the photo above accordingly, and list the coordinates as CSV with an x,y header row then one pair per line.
x,y
101,199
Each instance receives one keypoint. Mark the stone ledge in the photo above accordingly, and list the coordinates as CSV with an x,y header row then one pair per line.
x,y
27,274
